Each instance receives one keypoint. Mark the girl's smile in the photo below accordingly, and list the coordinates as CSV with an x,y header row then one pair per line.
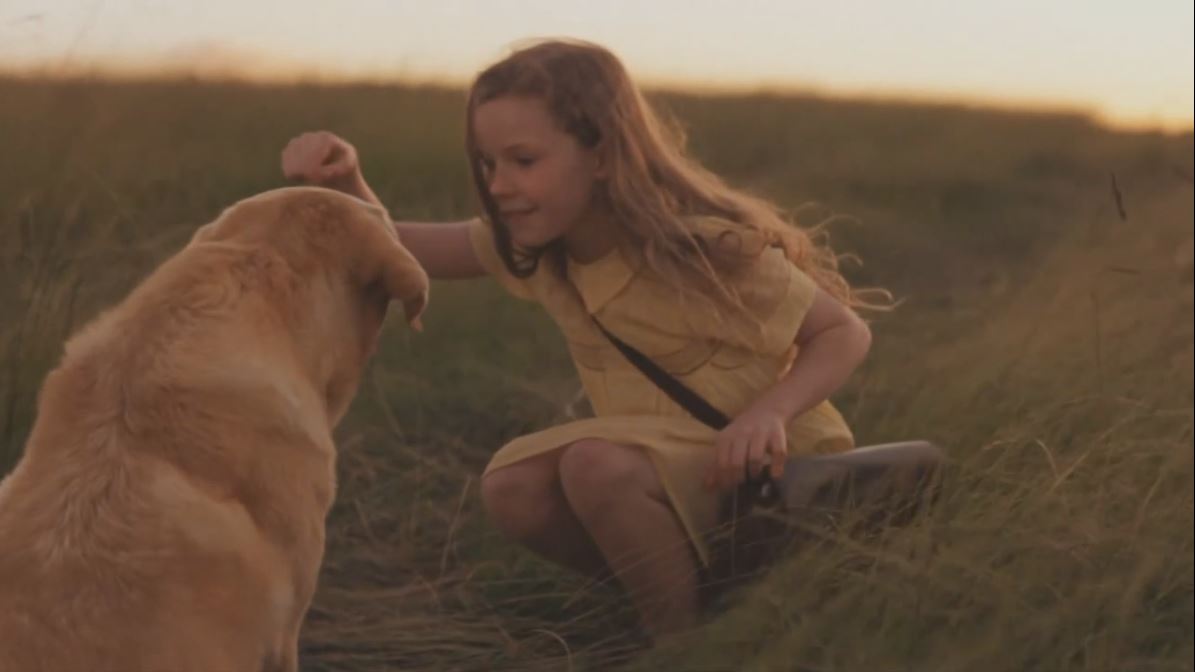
x,y
541,179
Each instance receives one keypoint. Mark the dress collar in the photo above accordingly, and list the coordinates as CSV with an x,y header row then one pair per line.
x,y
601,280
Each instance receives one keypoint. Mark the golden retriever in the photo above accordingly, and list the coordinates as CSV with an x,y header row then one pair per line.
x,y
168,512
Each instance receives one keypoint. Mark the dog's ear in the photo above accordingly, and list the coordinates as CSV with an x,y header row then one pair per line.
x,y
203,233
405,280
382,260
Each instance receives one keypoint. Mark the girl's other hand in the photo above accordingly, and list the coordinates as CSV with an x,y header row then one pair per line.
x,y
753,440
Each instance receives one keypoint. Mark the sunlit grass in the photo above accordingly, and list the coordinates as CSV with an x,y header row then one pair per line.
x,y
1045,340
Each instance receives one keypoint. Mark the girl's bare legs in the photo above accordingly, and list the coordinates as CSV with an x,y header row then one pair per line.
x,y
615,493
596,506
525,501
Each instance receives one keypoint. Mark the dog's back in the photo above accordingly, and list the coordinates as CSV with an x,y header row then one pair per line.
x,y
128,535
103,577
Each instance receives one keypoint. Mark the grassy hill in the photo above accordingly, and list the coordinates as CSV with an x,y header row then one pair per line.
x,y
1045,339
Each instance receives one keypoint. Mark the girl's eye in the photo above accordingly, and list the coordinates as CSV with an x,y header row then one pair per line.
x,y
525,161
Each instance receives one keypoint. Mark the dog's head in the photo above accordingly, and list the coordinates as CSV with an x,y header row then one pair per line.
x,y
337,263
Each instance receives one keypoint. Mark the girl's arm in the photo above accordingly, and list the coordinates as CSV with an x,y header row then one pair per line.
x,y
832,341
442,248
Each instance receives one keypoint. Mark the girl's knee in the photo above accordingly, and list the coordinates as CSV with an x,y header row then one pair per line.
x,y
519,506
594,470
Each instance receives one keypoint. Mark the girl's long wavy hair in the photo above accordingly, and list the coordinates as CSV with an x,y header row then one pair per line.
x,y
652,186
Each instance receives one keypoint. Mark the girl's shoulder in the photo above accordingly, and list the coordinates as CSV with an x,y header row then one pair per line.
x,y
759,271
725,235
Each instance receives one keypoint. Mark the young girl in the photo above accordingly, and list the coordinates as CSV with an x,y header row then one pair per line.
x,y
592,210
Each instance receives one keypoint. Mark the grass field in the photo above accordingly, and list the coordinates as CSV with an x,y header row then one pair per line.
x,y
1045,339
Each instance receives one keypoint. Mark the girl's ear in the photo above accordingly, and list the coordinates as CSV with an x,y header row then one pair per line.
x,y
601,158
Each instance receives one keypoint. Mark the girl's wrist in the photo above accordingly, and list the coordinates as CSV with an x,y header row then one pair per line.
x,y
354,185
777,405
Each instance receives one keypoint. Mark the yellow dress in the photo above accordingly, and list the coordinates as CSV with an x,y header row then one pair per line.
x,y
728,366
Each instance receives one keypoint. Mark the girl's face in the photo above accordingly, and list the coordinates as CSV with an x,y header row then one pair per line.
x,y
541,179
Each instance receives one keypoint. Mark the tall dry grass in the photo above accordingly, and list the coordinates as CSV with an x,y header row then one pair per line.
x,y
1045,340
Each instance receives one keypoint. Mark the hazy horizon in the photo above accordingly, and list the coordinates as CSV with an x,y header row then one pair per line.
x,y
1127,66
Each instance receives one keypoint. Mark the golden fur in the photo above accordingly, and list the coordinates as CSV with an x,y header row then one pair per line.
x,y
168,512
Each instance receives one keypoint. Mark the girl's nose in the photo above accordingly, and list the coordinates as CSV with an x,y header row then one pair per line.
x,y
498,184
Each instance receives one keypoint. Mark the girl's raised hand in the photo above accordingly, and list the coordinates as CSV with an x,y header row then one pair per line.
x,y
322,159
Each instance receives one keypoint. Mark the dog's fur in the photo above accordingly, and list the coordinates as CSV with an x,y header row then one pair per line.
x,y
168,512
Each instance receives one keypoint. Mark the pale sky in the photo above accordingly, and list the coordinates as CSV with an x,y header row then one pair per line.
x,y
1128,61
